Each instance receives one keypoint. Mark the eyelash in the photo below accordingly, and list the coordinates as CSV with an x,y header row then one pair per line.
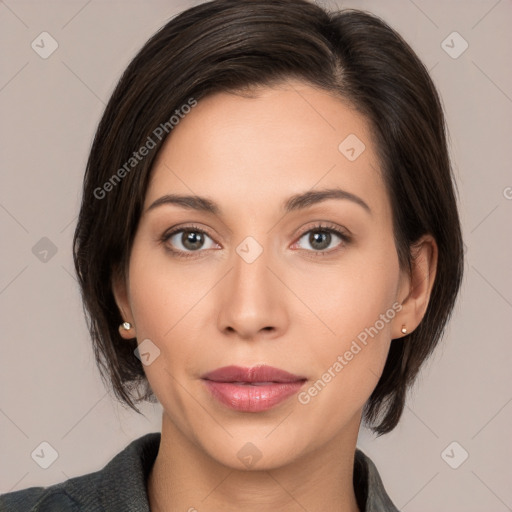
x,y
346,239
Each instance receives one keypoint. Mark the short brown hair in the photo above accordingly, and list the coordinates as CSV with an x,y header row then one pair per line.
x,y
229,45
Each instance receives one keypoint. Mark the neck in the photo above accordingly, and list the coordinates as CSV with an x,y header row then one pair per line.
x,y
185,477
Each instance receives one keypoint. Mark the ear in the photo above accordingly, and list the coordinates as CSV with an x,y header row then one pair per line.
x,y
120,291
416,286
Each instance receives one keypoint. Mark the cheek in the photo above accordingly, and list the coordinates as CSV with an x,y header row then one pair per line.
x,y
356,302
159,293
349,295
162,305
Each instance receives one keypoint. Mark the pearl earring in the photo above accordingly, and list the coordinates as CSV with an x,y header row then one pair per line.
x,y
404,330
126,326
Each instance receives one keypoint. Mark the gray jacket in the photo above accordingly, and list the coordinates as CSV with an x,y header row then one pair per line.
x,y
121,486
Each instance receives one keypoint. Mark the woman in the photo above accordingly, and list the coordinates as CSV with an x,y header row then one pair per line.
x,y
269,245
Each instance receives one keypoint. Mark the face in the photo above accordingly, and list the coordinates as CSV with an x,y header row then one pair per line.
x,y
311,287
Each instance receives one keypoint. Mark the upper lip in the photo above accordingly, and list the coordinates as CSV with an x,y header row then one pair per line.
x,y
261,373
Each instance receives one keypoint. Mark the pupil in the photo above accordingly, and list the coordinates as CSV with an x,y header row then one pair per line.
x,y
192,240
318,237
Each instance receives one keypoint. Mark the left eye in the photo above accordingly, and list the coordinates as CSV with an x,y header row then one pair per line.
x,y
322,239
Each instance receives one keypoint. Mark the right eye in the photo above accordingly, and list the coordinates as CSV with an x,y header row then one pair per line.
x,y
186,241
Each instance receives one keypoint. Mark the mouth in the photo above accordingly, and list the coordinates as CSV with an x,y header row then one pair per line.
x,y
254,389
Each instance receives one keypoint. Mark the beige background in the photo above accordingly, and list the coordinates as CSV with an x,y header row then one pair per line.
x,y
50,388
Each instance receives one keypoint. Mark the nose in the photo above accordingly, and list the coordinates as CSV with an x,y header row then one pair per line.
x,y
252,299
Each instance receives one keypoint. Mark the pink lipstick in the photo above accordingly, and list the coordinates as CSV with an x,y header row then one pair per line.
x,y
253,389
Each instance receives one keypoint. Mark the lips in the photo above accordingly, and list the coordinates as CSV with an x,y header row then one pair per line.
x,y
254,375
254,389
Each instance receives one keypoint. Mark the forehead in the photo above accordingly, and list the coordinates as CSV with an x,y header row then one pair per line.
x,y
254,150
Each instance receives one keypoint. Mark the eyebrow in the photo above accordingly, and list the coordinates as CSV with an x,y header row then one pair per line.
x,y
293,203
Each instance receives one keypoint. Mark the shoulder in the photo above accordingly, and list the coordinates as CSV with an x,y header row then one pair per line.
x,y
119,486
370,491
45,499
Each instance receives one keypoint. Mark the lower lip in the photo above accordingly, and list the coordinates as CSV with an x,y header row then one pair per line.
x,y
251,398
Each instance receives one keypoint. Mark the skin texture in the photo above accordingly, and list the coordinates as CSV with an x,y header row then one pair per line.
x,y
292,307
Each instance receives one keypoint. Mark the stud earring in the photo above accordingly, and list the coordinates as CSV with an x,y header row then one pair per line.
x,y
126,326
404,330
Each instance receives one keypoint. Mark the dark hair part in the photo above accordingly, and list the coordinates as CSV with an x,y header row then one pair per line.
x,y
231,45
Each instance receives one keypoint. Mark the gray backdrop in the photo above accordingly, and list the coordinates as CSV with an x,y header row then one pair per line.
x,y
50,389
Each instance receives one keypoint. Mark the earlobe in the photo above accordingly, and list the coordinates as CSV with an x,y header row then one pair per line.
x,y
421,278
120,292
127,331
